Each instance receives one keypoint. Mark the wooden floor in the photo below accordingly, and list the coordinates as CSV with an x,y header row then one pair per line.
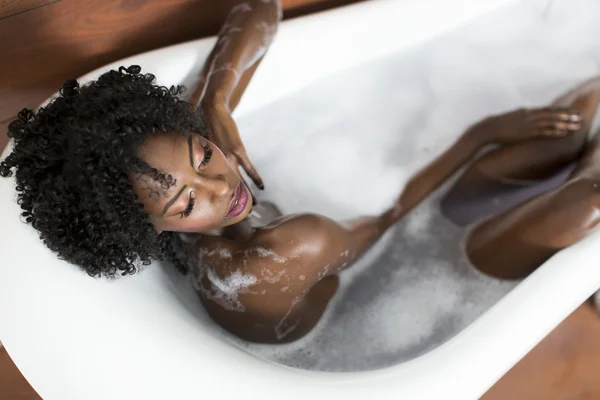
x,y
44,42
565,366
12,384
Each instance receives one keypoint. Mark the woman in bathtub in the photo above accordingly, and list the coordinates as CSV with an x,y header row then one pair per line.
x,y
120,172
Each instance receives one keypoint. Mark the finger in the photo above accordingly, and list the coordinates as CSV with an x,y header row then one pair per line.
x,y
249,168
233,161
537,112
554,132
569,126
250,190
236,166
238,150
555,113
568,117
253,174
544,113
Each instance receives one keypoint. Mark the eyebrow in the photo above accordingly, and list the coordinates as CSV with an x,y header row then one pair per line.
x,y
170,203
191,151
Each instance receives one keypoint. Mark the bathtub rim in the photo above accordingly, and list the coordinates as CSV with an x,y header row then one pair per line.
x,y
548,303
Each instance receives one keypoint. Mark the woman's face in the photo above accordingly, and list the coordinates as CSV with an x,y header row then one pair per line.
x,y
208,192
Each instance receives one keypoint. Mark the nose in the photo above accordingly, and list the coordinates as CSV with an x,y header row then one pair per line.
x,y
216,185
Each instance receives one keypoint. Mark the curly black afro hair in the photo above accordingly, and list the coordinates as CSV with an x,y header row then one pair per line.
x,y
73,161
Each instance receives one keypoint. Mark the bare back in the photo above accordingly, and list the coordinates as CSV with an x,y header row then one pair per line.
x,y
275,285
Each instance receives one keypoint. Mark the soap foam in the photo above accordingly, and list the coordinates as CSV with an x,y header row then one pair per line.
x,y
268,253
346,145
225,291
242,7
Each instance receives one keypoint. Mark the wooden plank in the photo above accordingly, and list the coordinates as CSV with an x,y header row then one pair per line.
x,y
9,8
43,47
12,384
564,366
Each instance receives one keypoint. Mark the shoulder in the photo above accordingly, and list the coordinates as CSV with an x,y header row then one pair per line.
x,y
258,287
302,235
302,248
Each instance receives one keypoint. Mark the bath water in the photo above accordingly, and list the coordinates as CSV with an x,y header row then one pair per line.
x,y
346,145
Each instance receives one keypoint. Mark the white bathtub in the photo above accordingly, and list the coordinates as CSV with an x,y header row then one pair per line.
x,y
74,337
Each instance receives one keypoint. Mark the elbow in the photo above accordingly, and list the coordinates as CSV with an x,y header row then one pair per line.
x,y
279,11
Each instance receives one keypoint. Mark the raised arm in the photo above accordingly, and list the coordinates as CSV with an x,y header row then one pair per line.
x,y
241,45
242,42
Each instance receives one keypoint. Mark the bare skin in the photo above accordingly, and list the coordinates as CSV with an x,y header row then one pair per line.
x,y
511,245
272,283
241,46
515,165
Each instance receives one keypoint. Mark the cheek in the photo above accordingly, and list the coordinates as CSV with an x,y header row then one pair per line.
x,y
186,225
196,223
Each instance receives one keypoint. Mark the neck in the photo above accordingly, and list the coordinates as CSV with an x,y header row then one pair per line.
x,y
240,231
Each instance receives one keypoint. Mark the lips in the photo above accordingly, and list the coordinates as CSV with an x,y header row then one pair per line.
x,y
239,202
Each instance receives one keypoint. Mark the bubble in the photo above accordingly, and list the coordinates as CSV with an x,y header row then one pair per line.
x,y
346,145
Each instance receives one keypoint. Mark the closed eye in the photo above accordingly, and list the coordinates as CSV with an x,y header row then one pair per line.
x,y
207,155
206,150
190,207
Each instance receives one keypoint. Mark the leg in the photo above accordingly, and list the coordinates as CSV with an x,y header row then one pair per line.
x,y
547,125
544,124
503,178
513,244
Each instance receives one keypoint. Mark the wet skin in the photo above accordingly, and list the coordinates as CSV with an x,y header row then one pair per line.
x,y
294,259
272,284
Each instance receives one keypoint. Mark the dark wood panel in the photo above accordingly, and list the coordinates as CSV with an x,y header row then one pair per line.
x,y
12,384
45,46
564,366
13,7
